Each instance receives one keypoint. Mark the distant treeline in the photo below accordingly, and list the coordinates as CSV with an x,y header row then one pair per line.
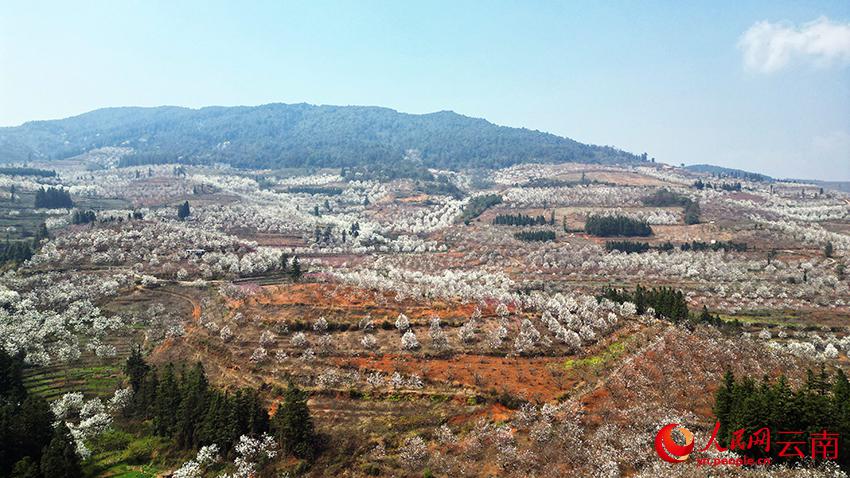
x,y
608,226
699,184
627,246
86,217
402,169
564,183
667,198
520,220
631,246
716,246
23,171
530,236
150,158
83,217
441,186
314,190
721,172
478,205
665,302
53,198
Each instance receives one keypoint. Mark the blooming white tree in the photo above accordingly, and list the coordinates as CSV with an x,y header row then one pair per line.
x,y
252,453
830,352
402,323
527,338
439,341
466,332
298,340
259,355
496,336
369,342
226,334
267,338
413,453
206,456
120,399
409,341
321,325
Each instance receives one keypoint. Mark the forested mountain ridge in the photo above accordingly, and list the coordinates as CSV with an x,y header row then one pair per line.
x,y
284,135
721,171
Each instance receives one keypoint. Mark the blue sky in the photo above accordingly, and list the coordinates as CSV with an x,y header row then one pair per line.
x,y
757,85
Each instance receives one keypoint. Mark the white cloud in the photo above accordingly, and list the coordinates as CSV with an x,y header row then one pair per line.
x,y
770,47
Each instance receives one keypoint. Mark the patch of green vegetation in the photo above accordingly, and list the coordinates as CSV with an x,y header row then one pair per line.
x,y
617,348
100,380
614,350
765,317
120,454
592,361
475,400
478,205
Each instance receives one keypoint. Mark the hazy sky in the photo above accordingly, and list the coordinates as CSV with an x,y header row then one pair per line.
x,y
757,85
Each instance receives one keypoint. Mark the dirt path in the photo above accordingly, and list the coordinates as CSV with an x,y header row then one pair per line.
x,y
588,388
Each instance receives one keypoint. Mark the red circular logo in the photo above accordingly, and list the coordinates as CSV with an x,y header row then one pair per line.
x,y
668,449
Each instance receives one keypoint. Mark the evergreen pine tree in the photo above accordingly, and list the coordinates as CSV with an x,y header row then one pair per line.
x,y
212,426
135,368
35,425
144,401
293,425
193,405
167,403
723,405
183,211
26,467
841,415
295,270
60,459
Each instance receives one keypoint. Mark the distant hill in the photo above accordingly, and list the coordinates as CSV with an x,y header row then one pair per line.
x,y
842,186
727,172
299,135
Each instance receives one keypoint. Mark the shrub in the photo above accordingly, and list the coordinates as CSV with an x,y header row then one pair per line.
x,y
140,452
111,440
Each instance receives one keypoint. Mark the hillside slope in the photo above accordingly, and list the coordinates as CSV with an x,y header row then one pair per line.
x,y
281,135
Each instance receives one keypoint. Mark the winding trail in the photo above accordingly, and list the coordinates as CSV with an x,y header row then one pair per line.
x,y
196,306
588,388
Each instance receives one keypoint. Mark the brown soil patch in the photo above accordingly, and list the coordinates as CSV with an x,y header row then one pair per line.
x,y
535,378
345,304
494,412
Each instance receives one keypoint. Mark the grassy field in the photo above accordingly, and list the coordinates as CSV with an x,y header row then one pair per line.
x,y
121,454
92,380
